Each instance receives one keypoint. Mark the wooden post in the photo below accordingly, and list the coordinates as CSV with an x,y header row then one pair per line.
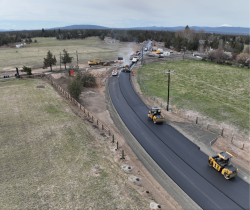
x,y
102,127
96,122
232,139
222,131
92,118
117,145
122,155
196,120
113,138
88,114
109,132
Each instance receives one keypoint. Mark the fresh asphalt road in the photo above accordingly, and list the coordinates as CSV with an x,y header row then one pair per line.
x,y
176,155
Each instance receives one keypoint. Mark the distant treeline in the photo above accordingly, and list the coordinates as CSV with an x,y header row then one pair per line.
x,y
187,39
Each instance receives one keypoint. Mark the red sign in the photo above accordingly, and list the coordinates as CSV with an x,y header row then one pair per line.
x,y
72,72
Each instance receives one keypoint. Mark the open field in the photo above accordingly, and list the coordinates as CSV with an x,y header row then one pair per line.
x,y
216,91
47,155
88,49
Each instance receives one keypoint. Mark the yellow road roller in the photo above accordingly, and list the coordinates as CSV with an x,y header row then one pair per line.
x,y
155,115
221,162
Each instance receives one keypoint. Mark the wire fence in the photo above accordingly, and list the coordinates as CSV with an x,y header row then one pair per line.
x,y
220,111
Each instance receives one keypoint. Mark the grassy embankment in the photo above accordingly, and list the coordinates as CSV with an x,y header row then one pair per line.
x,y
222,94
47,155
32,54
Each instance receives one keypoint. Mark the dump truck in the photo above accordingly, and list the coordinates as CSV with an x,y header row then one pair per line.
x,y
155,115
154,48
159,51
94,62
221,163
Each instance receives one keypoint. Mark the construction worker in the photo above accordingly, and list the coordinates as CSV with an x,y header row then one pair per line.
x,y
149,115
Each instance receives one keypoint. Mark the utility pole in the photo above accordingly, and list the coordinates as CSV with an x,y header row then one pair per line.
x,y
168,88
60,63
142,55
77,58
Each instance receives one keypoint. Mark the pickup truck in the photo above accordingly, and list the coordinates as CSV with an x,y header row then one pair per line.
x,y
135,59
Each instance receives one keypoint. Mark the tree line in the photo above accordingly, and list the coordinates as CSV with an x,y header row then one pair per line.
x,y
187,38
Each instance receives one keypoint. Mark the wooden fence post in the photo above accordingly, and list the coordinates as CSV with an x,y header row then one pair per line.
x,y
222,131
102,127
113,138
122,155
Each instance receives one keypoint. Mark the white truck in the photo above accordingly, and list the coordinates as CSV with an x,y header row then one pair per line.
x,y
159,51
135,59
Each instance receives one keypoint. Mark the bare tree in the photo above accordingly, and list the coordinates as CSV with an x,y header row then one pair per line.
x,y
247,50
201,34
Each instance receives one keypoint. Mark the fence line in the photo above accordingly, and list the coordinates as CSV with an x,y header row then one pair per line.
x,y
82,108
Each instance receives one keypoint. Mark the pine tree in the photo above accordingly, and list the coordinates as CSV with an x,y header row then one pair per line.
x,y
49,61
66,58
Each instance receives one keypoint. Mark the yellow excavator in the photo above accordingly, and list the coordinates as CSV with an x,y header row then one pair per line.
x,y
221,162
94,62
155,115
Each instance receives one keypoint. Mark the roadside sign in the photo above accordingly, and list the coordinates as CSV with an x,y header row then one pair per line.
x,y
135,70
72,72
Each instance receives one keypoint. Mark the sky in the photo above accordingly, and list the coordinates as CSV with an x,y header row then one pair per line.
x,y
30,14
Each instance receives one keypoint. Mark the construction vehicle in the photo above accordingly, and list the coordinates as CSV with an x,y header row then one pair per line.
x,y
154,48
155,115
106,64
221,162
94,62
159,51
126,68
135,59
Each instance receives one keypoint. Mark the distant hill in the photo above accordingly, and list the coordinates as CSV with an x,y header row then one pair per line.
x,y
80,27
218,30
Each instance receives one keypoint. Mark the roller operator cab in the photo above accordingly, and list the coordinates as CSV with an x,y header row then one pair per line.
x,y
155,115
221,162
126,68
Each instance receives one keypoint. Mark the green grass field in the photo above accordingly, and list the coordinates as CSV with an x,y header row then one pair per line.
x,y
88,49
217,91
47,156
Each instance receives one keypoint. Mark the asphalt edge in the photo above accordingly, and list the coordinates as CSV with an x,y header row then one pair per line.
x,y
160,176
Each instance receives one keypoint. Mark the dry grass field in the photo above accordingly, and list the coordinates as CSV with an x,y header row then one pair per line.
x,y
216,91
47,155
32,55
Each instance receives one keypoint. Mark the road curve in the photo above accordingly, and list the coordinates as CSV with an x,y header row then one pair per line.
x,y
175,154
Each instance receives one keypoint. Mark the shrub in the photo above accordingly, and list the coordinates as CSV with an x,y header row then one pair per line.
x,y
88,80
75,87
26,69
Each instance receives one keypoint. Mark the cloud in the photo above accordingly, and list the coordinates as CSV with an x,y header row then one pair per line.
x,y
226,25
129,13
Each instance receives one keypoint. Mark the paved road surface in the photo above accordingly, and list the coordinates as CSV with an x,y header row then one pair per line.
x,y
176,155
